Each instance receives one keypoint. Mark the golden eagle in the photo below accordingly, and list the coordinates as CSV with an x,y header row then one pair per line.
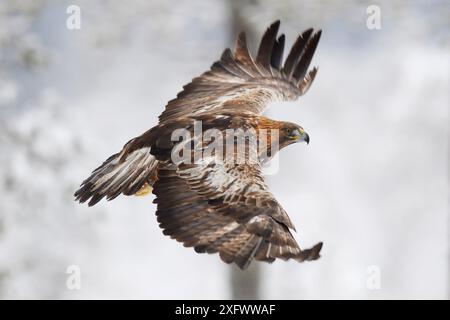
x,y
219,206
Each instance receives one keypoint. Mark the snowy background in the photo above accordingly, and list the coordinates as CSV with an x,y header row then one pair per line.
x,y
372,185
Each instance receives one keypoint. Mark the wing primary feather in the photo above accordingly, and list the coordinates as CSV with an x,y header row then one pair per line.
x,y
305,60
267,42
243,56
308,80
277,53
296,51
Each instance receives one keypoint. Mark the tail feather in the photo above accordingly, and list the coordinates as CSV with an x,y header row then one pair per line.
x,y
119,174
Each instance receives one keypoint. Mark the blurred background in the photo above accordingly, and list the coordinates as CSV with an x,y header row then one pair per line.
x,y
372,185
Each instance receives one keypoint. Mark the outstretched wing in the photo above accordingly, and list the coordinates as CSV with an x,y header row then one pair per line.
x,y
219,205
238,80
239,224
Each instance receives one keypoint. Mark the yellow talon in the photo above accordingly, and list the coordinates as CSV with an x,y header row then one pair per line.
x,y
144,190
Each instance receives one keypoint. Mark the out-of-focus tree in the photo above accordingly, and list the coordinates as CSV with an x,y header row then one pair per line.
x,y
245,284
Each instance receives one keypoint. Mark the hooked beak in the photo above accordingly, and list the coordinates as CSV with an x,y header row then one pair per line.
x,y
299,135
306,138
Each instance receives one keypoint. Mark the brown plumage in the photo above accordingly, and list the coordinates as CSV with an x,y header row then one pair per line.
x,y
218,204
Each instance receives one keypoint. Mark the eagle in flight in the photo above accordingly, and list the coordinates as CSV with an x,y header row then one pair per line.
x,y
219,205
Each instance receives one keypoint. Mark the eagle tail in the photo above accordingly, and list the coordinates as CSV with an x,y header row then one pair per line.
x,y
128,172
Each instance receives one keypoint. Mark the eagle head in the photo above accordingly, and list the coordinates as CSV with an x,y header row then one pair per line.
x,y
292,133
